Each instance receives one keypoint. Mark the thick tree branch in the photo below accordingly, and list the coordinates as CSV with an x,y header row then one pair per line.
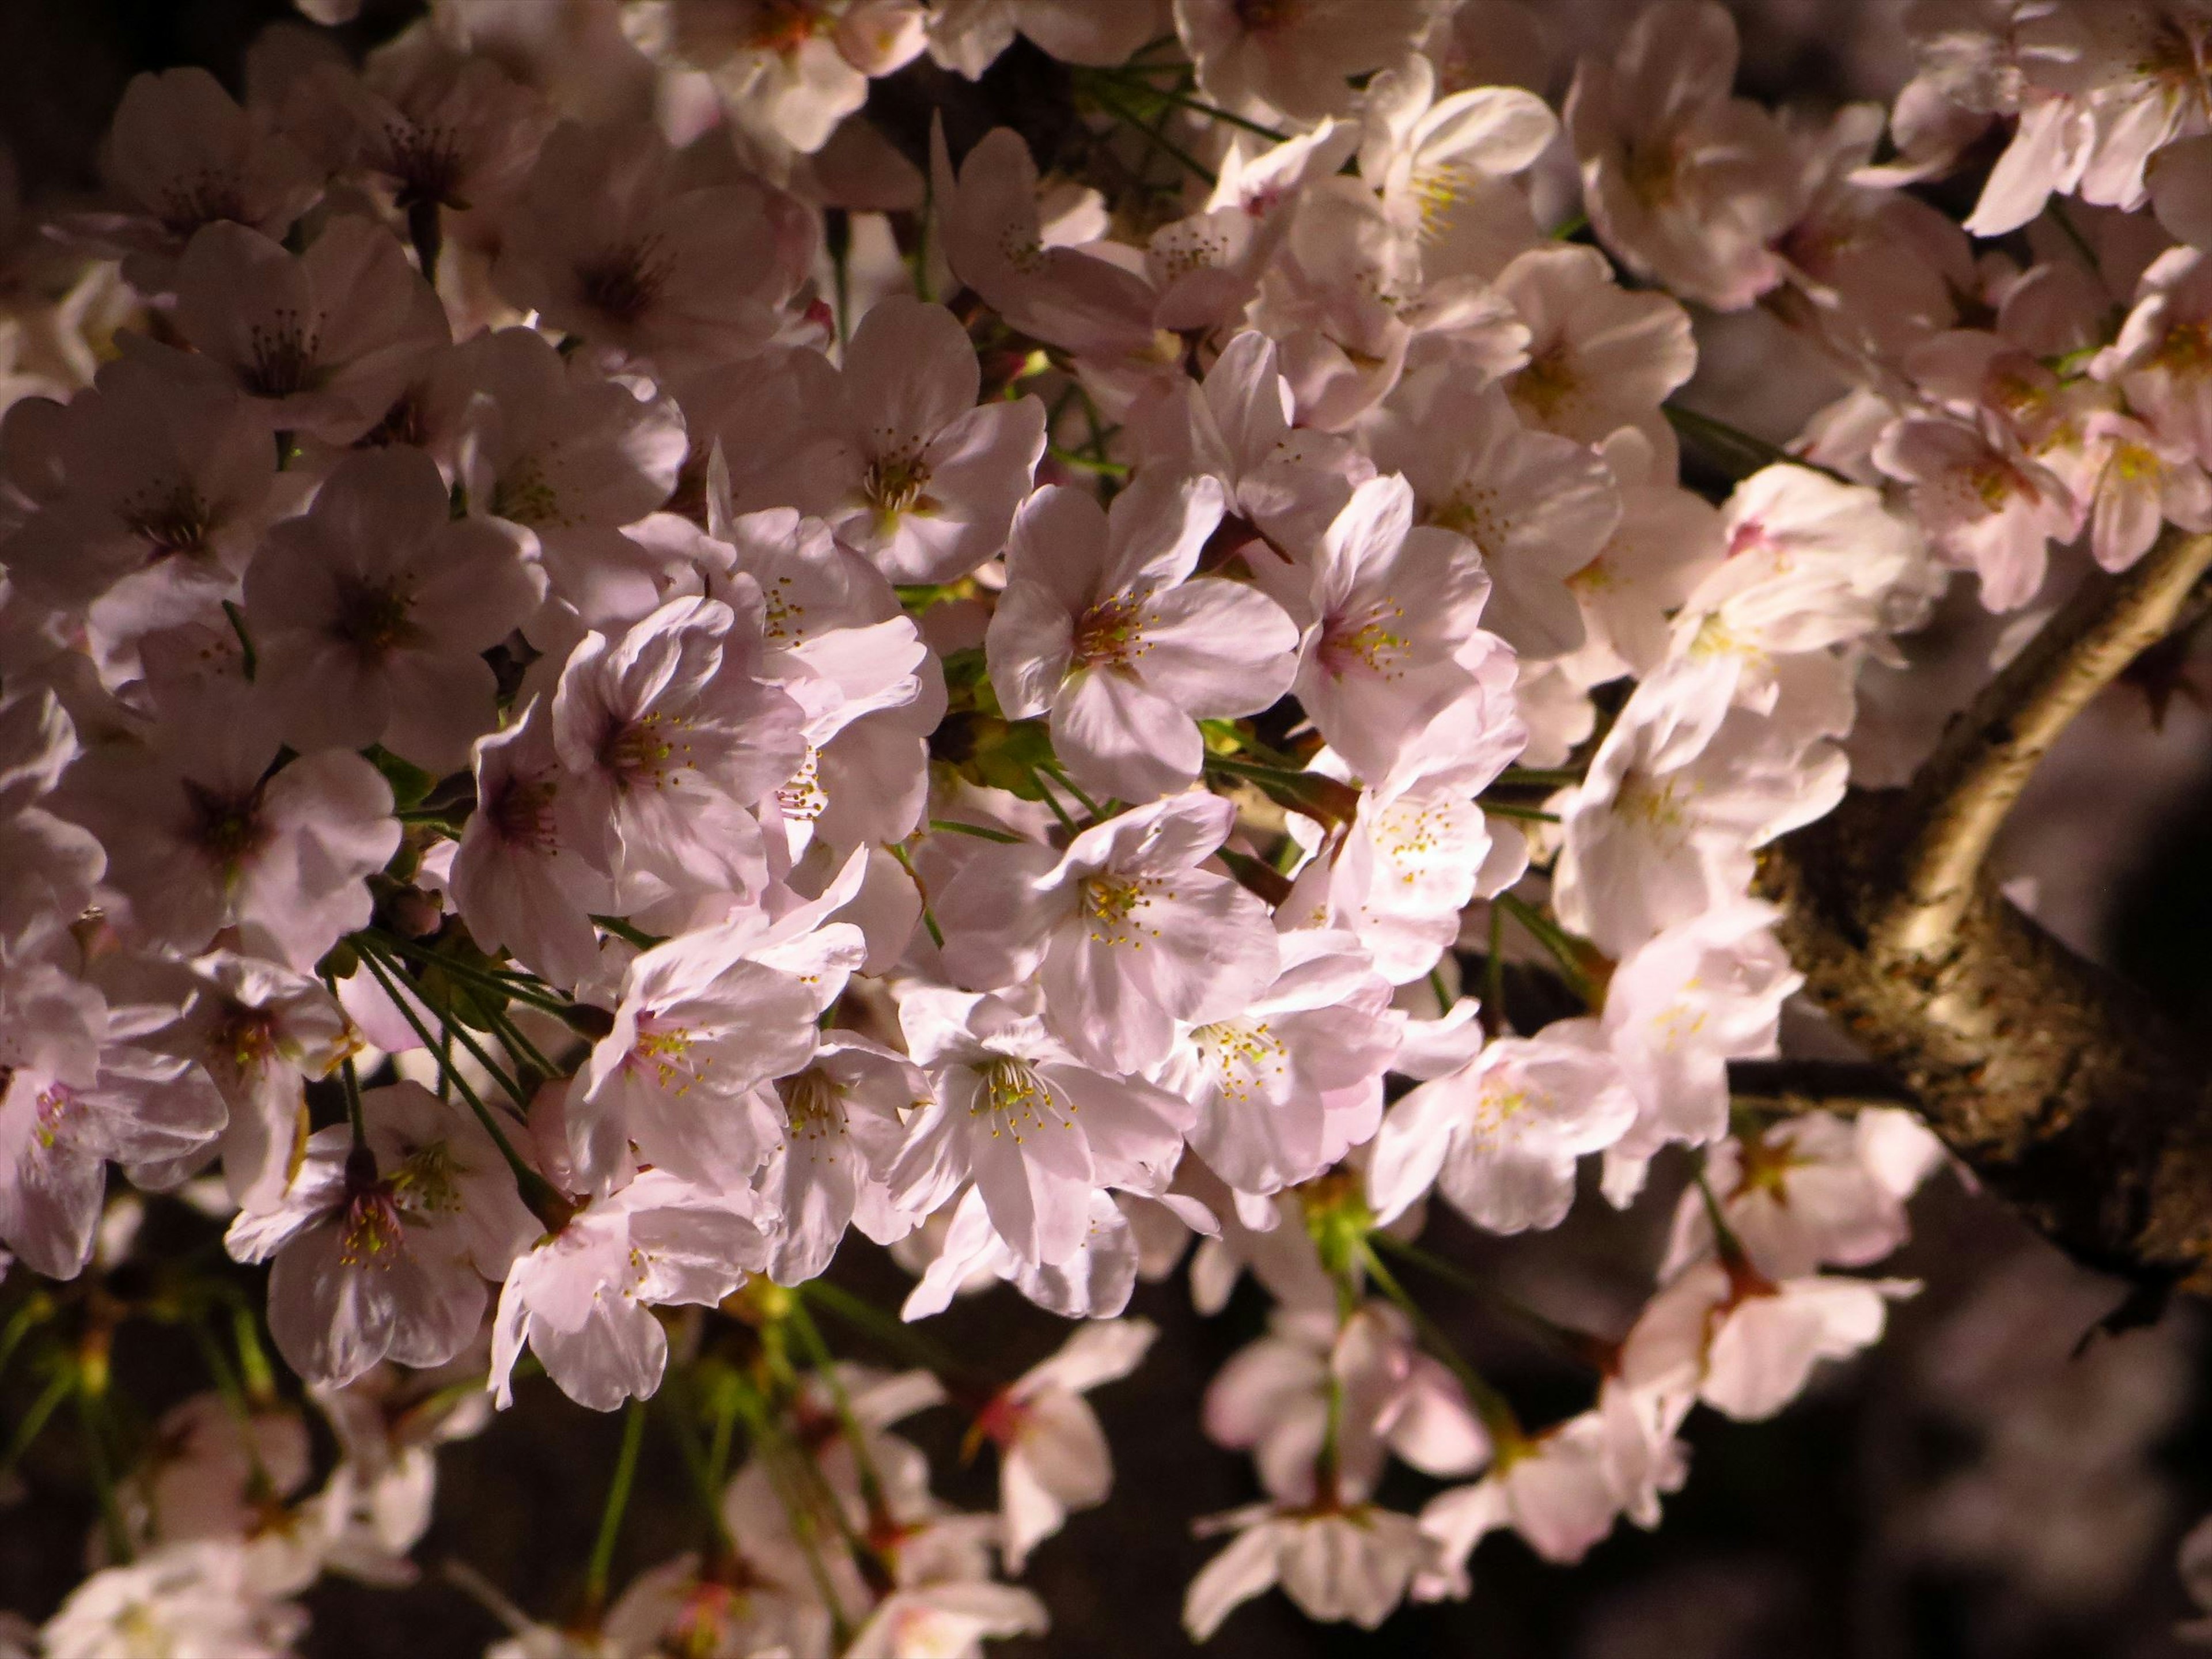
x,y
1960,797
2055,1081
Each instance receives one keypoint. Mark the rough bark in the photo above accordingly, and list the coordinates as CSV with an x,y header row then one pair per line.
x,y
2054,1080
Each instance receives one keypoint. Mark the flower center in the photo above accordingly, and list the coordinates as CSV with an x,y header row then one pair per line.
x,y
1245,1055
895,484
373,617
1547,385
1111,633
187,204
524,495
1113,905
226,828
1019,1103
644,750
1264,17
284,353
1365,642
426,160
623,285
175,522
667,1050
813,1106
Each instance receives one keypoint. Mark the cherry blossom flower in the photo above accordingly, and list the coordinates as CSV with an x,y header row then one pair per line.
x,y
1287,1085
1677,1010
894,452
384,1257
608,239
667,737
167,492
1104,626
71,1098
796,68
1273,1398
581,1298
1125,932
440,128
182,154
1987,509
968,35
1816,1191
1298,59
1552,1489
1390,611
260,1032
1598,358
1052,1453
1747,1344
1683,181
1093,1281
994,240
321,342
371,611
1346,1562
1665,824
1039,1132
201,835
1500,1138
187,1597
843,1130
518,875
1537,507
702,1020
556,448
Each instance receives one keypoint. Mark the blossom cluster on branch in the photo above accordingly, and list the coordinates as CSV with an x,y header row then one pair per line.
x,y
606,677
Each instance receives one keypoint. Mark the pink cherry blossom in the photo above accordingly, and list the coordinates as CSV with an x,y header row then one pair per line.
x,y
1126,931
370,613
1038,1131
386,1256
322,342
1104,626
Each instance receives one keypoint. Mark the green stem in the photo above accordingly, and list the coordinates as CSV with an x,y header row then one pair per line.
x,y
37,1308
1069,457
101,1471
873,1323
1506,809
248,660
522,988
1580,1347
611,1517
1493,973
57,1389
1167,147
1492,1407
542,1198
622,930
928,916
1196,106
392,975
817,1352
1053,801
1557,943
1059,775
977,830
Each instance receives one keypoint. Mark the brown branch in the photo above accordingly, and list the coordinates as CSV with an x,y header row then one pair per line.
x,y
2054,1080
1960,797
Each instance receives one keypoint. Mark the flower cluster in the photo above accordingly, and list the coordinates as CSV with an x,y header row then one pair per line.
x,y
612,678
